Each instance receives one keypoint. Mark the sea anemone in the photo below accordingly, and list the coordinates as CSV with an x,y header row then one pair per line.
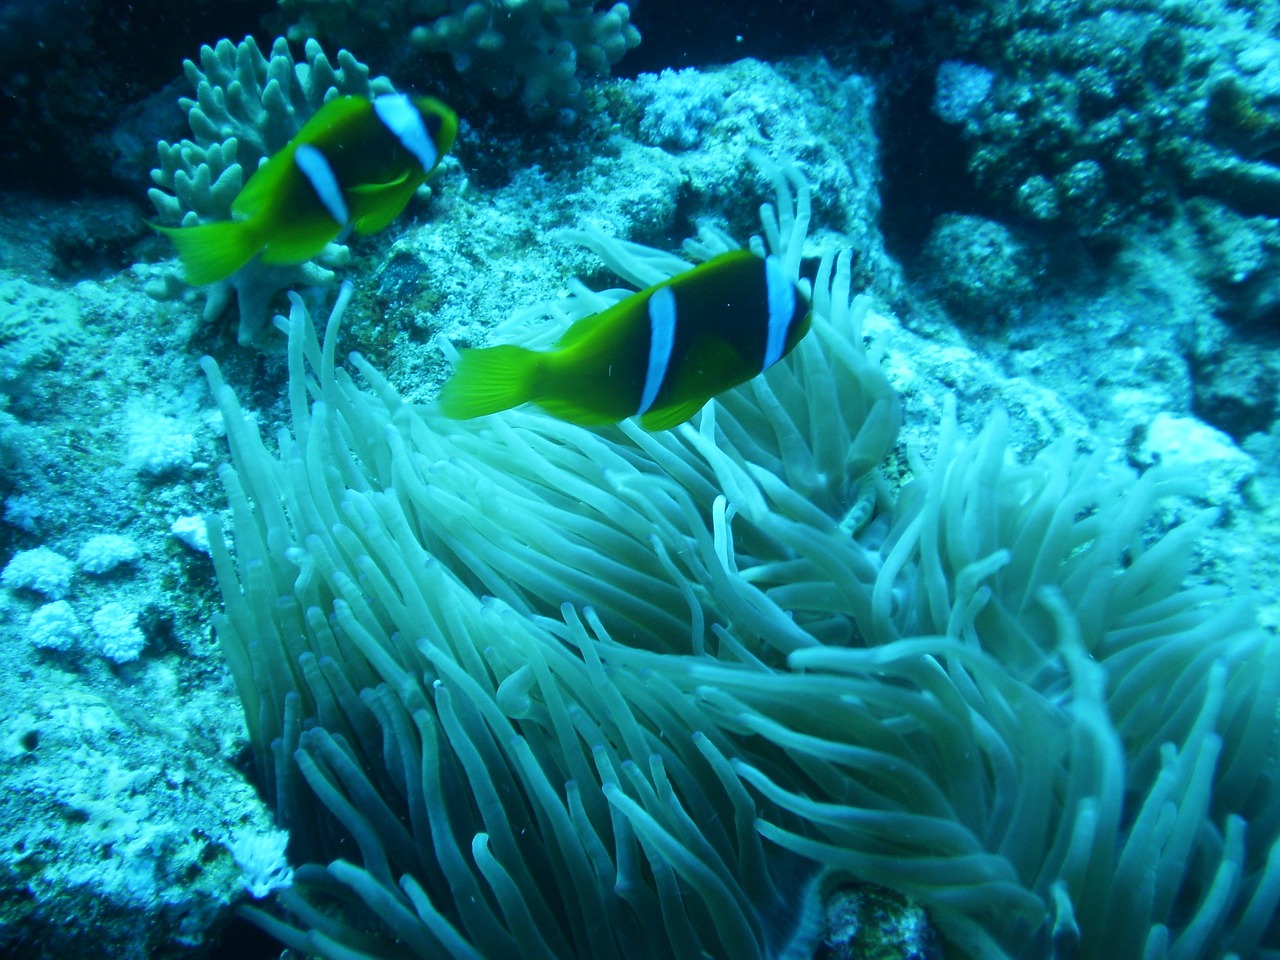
x,y
524,689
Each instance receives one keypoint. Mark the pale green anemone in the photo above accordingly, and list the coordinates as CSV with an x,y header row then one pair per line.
x,y
524,689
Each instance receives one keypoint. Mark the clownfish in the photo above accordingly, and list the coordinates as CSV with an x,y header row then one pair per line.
x,y
659,354
352,167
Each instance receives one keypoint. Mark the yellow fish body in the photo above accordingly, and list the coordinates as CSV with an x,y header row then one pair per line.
x,y
352,167
659,354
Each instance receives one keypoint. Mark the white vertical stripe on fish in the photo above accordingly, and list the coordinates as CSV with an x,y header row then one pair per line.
x,y
662,340
319,174
401,117
781,294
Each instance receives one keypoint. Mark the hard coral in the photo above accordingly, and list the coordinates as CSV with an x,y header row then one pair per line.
x,y
54,626
1101,114
116,632
40,570
536,48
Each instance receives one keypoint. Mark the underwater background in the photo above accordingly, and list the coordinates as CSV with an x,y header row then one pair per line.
x,y
953,635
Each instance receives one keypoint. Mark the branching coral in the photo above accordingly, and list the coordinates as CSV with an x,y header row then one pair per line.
x,y
1100,113
611,694
536,48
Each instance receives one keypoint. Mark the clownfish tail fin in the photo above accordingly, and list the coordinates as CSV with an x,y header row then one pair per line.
x,y
212,251
488,380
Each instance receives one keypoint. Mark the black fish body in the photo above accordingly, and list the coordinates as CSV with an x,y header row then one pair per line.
x,y
659,354
352,167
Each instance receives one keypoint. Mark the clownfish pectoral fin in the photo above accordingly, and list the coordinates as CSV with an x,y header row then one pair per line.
x,y
488,380
212,251
711,365
381,203
377,189
299,247
664,418
571,412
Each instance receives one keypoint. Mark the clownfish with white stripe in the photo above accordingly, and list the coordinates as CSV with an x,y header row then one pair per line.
x,y
352,167
659,354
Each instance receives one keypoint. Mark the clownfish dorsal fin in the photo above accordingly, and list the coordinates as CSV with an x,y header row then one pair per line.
x,y
264,185
588,327
335,113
